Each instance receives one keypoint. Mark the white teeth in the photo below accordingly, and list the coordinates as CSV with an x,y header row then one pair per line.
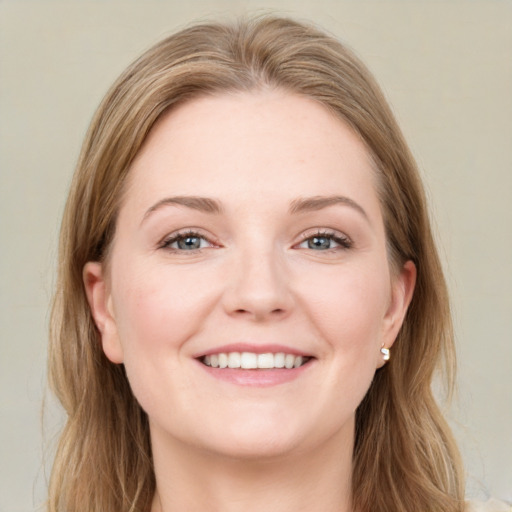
x,y
248,361
265,360
289,360
279,360
233,360
223,360
252,361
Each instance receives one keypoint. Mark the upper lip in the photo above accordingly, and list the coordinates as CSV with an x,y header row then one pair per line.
x,y
254,348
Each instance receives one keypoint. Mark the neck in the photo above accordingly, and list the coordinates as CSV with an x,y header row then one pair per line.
x,y
190,479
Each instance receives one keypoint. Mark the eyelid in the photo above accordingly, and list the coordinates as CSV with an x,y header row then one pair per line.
x,y
344,241
324,232
339,237
170,238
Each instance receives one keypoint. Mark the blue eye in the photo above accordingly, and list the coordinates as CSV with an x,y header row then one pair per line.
x,y
319,243
186,242
325,242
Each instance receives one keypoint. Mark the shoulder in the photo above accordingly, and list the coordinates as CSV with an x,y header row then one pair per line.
x,y
489,506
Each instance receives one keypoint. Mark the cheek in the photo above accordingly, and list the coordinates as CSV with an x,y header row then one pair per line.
x,y
157,311
158,308
347,307
348,304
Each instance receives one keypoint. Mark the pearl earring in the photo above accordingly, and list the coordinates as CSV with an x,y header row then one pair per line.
x,y
385,353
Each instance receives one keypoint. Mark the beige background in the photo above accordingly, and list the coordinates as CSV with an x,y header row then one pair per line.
x,y
447,70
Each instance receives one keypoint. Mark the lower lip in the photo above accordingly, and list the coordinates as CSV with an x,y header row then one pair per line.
x,y
256,378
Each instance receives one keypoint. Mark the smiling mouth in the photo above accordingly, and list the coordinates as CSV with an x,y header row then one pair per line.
x,y
253,361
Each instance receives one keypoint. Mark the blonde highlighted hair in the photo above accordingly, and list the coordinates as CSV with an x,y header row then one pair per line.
x,y
405,459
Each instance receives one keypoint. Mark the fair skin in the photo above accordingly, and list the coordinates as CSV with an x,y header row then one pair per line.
x,y
250,224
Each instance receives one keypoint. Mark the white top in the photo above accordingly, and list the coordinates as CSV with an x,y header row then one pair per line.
x,y
489,506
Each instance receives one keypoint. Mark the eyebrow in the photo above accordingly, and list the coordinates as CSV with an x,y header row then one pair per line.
x,y
300,205
315,203
202,204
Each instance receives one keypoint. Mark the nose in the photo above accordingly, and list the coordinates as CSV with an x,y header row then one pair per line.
x,y
257,288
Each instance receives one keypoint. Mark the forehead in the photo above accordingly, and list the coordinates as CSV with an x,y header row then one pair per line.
x,y
273,143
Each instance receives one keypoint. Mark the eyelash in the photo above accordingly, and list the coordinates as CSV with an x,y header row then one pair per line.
x,y
182,235
342,240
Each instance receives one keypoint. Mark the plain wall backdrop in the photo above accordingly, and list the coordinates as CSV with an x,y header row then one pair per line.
x,y
446,68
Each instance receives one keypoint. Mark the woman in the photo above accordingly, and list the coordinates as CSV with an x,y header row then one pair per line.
x,y
250,306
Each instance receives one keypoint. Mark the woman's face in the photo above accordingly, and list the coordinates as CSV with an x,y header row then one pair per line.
x,y
250,225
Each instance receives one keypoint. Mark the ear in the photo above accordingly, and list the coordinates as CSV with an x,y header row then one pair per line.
x,y
402,289
100,302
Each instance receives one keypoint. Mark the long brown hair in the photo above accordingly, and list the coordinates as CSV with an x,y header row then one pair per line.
x,y
405,459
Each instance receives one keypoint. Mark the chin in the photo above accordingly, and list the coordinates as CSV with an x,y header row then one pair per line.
x,y
260,437
253,447
240,436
